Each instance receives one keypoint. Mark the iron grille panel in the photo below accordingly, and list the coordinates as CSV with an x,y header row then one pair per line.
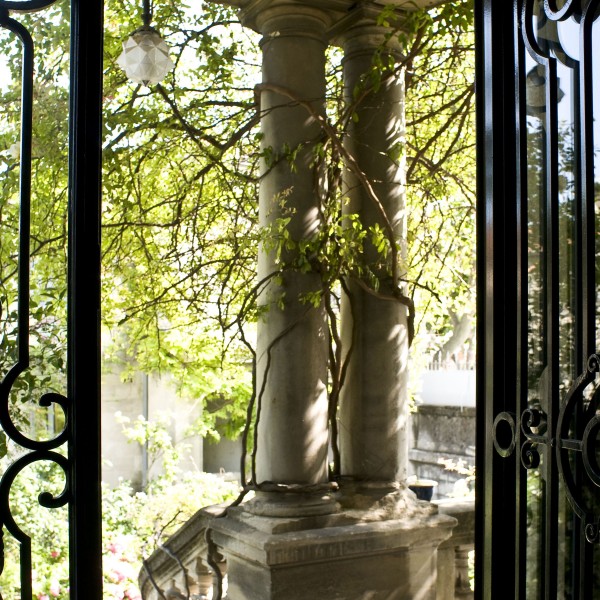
x,y
538,467
75,448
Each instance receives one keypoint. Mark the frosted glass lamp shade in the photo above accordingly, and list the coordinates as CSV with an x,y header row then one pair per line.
x,y
145,57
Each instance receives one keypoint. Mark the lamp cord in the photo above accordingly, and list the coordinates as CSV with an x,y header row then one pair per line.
x,y
147,13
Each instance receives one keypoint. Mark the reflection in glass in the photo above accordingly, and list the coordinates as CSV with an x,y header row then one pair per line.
x,y
558,555
535,528
551,227
536,310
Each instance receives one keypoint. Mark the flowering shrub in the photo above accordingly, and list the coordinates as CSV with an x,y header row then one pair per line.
x,y
48,531
134,524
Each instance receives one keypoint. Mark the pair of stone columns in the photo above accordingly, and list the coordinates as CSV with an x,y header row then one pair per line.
x,y
292,350
295,540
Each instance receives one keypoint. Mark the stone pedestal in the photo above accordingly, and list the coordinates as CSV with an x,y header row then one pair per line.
x,y
453,555
356,554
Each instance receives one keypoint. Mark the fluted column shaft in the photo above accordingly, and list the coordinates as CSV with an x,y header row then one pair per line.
x,y
374,403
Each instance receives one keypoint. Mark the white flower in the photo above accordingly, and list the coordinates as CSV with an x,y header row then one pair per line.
x,y
14,151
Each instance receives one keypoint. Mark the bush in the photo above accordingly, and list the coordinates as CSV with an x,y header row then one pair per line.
x,y
134,525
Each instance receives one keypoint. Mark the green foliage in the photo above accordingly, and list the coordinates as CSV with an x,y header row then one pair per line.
x,y
179,240
47,528
179,203
181,171
135,524
180,233
441,180
47,343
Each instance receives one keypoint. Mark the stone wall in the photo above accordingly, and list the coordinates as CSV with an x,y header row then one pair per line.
x,y
150,397
441,432
437,432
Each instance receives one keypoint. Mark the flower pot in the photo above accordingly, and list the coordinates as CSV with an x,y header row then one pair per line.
x,y
423,488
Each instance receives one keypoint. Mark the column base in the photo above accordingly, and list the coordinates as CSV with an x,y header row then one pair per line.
x,y
293,501
351,555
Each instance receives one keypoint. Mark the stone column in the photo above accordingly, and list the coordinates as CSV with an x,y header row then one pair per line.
x,y
292,332
374,402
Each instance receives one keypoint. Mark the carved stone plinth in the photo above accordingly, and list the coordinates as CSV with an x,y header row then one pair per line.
x,y
373,554
453,554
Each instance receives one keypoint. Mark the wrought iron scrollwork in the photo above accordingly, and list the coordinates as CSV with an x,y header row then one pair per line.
x,y
568,9
36,450
585,448
535,429
533,426
530,455
46,499
25,5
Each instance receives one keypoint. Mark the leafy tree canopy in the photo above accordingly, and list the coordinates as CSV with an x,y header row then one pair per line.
x,y
180,188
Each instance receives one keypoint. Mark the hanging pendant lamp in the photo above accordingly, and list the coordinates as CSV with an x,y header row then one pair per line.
x,y
145,57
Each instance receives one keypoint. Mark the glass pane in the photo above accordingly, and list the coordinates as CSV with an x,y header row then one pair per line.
x,y
555,278
568,135
552,227
535,90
